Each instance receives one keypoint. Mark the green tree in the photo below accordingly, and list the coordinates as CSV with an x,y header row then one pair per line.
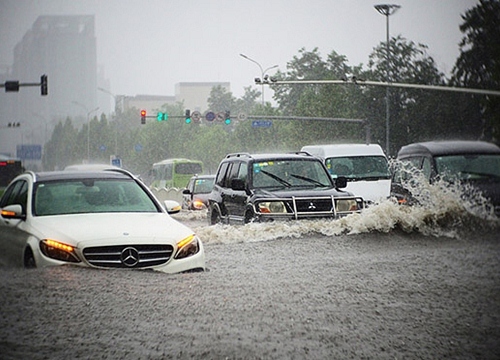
x,y
478,65
414,113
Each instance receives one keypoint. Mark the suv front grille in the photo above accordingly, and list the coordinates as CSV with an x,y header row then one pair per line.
x,y
309,207
128,256
314,205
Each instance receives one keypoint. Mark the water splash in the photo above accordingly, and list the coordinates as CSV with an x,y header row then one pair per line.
x,y
442,210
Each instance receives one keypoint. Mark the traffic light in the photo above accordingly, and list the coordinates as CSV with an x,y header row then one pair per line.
x,y
44,87
161,116
143,117
188,116
228,118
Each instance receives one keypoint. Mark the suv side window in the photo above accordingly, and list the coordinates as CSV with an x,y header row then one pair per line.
x,y
243,172
233,173
221,175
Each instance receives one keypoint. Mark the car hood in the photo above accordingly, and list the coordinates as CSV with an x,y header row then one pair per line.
x,y
374,190
84,230
297,192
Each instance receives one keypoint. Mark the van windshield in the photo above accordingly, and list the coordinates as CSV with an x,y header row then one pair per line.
x,y
468,167
359,167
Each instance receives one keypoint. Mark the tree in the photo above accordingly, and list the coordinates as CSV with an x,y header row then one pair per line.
x,y
413,113
478,64
329,101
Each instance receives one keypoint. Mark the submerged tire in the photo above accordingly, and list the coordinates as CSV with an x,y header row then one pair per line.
x,y
215,217
29,259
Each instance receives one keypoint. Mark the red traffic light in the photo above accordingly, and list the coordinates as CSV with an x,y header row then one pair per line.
x,y
143,117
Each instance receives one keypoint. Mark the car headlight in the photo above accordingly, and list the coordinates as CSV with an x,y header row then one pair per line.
x,y
187,247
58,251
345,205
198,204
272,207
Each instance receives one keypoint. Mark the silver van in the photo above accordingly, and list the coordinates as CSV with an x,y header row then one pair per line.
x,y
365,167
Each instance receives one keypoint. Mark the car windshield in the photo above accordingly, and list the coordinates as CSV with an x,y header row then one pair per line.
x,y
203,186
90,196
290,173
359,167
468,167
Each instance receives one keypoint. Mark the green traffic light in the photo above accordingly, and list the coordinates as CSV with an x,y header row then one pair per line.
x,y
188,120
228,121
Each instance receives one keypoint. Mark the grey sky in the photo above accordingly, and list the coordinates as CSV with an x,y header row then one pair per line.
x,y
146,47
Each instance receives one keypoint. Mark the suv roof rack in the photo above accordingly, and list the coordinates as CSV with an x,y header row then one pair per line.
x,y
301,153
238,155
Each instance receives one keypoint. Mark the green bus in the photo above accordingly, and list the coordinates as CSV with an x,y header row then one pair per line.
x,y
174,173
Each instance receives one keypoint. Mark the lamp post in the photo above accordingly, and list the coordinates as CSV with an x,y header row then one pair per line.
x,y
387,10
116,111
88,126
262,72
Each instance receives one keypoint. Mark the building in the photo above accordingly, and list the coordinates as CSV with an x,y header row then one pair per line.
x,y
64,49
195,94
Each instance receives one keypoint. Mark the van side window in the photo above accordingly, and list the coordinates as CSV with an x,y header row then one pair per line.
x,y
426,168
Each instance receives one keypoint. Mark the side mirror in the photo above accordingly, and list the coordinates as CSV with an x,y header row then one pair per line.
x,y
340,182
14,211
238,184
186,191
172,206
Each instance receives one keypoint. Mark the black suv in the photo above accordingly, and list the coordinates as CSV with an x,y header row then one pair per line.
x,y
266,187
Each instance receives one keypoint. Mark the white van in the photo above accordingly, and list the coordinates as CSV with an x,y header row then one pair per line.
x,y
364,165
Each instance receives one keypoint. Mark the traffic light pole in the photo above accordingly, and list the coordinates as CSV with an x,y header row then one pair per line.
x,y
378,83
13,86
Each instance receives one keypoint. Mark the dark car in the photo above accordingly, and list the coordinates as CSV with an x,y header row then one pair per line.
x,y
195,195
468,162
266,187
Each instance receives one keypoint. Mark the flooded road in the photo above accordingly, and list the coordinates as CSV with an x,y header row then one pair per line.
x,y
389,283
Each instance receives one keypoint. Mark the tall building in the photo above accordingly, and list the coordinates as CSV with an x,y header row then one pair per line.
x,y
64,49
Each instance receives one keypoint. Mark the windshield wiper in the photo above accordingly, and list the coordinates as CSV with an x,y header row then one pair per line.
x,y
277,178
308,180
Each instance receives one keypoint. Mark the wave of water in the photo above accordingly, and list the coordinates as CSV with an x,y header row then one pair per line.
x,y
443,209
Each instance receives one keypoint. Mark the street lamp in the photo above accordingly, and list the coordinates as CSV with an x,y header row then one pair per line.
x,y
387,10
116,111
262,72
88,126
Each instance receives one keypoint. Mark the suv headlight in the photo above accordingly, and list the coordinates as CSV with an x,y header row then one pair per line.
x,y
272,207
58,251
187,247
345,205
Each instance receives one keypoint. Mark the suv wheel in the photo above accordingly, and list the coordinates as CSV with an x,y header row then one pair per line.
x,y
214,217
249,217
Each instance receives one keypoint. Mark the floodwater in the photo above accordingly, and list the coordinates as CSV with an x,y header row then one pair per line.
x,y
444,210
394,282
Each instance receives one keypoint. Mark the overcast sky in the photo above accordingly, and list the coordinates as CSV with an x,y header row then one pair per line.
x,y
147,46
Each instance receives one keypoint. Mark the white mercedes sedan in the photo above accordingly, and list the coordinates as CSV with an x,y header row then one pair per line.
x,y
99,219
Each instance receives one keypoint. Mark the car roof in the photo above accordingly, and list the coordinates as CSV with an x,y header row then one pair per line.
x,y
273,156
203,176
78,174
343,150
442,148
